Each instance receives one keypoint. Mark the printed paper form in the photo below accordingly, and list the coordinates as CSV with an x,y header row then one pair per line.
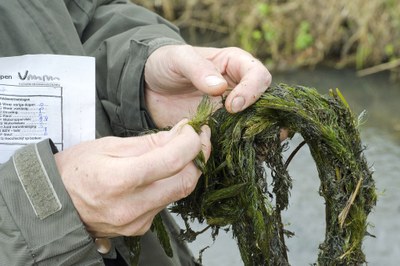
x,y
46,96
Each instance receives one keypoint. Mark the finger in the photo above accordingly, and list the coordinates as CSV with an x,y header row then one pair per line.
x,y
141,225
125,224
152,198
163,161
168,190
205,136
254,80
146,201
283,134
180,185
135,146
200,71
161,193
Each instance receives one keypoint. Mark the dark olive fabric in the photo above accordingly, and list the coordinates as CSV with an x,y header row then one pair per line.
x,y
120,36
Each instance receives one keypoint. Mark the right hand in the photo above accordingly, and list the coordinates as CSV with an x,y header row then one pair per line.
x,y
118,185
177,77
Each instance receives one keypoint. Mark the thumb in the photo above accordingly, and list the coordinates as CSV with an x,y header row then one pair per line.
x,y
200,71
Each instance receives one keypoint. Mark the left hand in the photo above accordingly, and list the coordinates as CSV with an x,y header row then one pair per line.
x,y
118,185
178,75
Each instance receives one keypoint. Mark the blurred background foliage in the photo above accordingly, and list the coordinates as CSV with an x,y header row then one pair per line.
x,y
287,34
361,36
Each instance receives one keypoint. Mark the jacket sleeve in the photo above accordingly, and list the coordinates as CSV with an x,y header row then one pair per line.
x,y
38,223
121,36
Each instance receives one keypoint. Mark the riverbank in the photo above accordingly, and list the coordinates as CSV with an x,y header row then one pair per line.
x,y
299,33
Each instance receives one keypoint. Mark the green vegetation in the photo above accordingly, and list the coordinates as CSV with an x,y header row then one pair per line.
x,y
246,186
287,34
234,191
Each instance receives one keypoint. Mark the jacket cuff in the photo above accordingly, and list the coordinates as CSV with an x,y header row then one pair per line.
x,y
163,41
42,209
130,116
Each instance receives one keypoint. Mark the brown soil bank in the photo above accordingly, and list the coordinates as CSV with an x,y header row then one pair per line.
x,y
289,34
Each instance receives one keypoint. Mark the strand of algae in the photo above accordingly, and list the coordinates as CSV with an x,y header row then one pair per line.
x,y
233,190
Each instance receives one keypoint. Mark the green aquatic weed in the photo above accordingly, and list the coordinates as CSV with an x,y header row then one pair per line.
x,y
234,192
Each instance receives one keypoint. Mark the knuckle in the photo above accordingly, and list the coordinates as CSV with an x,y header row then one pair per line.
x,y
173,162
107,139
138,228
153,139
267,78
107,143
116,186
235,50
144,228
244,55
188,184
121,216
119,220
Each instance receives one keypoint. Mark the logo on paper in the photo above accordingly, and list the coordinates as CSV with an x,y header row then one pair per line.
x,y
31,77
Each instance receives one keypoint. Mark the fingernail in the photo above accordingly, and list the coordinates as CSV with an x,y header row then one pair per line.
x,y
213,81
103,245
177,128
206,130
237,104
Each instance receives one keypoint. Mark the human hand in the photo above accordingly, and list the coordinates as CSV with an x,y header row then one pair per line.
x,y
178,75
118,185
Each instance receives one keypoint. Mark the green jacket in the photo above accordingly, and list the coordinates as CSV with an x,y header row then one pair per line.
x,y
120,36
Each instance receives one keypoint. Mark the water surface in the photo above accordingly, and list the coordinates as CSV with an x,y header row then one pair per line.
x,y
305,215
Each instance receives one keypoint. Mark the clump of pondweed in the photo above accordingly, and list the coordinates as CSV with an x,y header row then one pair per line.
x,y
233,190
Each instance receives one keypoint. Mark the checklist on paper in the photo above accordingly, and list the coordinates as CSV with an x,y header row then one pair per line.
x,y
46,96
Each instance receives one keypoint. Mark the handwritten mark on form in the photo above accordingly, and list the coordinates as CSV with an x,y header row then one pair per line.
x,y
46,96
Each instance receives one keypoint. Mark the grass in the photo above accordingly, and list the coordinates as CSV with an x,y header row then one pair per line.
x,y
298,33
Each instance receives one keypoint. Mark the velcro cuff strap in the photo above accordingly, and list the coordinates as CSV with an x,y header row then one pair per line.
x,y
36,182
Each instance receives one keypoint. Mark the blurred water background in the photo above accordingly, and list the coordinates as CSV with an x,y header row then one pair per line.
x,y
305,215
